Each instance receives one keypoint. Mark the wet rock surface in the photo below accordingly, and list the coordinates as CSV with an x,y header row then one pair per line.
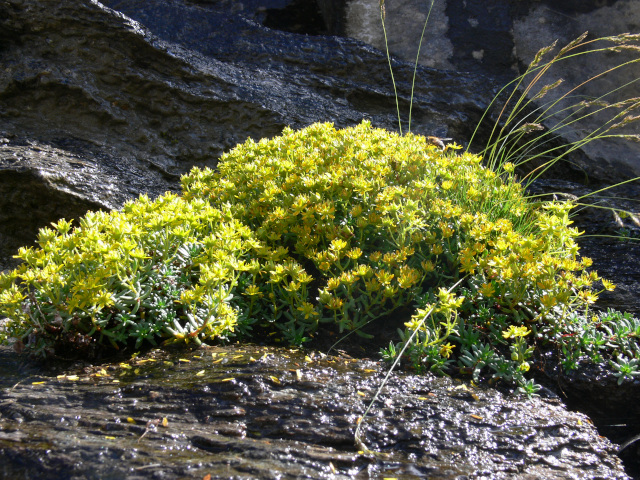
x,y
264,412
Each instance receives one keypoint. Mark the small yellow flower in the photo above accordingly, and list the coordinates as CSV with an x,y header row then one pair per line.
x,y
384,277
390,291
375,256
587,296
516,332
390,258
447,230
428,266
548,301
608,286
446,349
372,285
362,222
348,278
586,262
362,270
407,277
304,277
308,310
338,245
356,211
292,287
334,303
324,266
333,283
487,290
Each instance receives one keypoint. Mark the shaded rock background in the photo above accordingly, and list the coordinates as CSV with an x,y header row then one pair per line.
x,y
500,37
101,102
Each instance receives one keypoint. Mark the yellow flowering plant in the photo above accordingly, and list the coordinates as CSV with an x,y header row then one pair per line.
x,y
155,270
362,211
379,221
317,226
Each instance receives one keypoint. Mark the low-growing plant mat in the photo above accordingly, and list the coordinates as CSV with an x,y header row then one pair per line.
x,y
323,227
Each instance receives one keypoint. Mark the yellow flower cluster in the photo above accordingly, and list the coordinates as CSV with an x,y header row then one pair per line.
x,y
378,219
316,225
127,276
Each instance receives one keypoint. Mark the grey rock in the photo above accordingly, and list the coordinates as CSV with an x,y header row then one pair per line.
x,y
262,413
501,37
